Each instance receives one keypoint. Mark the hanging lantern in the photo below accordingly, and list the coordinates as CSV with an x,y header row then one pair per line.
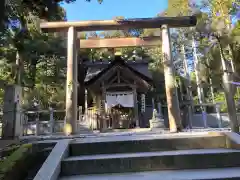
x,y
117,52
143,103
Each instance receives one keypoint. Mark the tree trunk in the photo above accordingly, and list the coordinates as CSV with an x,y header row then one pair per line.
x,y
33,70
2,13
228,93
19,70
200,91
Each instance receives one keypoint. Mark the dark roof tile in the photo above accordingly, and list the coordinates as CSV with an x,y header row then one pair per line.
x,y
95,69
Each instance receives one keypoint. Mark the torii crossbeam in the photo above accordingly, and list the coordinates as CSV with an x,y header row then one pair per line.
x,y
105,25
72,72
120,42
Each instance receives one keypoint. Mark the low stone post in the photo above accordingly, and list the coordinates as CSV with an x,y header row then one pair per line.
x,y
156,122
51,120
25,125
37,123
219,117
204,116
153,104
80,118
80,112
160,115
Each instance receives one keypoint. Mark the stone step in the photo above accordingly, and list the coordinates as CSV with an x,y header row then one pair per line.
x,y
151,144
84,128
199,174
150,161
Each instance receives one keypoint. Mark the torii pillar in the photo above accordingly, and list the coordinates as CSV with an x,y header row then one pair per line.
x,y
174,116
72,80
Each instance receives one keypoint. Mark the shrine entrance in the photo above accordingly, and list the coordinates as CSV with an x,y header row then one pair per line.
x,y
116,88
120,110
72,61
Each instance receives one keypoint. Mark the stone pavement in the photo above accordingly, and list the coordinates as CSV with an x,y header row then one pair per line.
x,y
138,136
132,132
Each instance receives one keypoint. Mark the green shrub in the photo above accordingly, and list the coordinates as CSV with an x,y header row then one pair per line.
x,y
7,165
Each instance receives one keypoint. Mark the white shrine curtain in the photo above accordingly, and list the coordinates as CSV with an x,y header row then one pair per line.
x,y
125,99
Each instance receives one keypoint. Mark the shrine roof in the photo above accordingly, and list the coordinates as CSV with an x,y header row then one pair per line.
x,y
96,69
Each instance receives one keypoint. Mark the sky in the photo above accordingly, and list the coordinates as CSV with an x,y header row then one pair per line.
x,y
82,10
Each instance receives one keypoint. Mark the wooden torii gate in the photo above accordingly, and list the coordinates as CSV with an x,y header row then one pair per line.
x,y
72,72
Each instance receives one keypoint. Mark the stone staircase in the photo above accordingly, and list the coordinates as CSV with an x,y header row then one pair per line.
x,y
170,157
83,127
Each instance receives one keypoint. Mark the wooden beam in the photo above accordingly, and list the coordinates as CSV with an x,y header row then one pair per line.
x,y
114,79
119,85
104,25
120,42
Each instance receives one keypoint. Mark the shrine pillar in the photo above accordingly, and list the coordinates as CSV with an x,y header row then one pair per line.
x,y
136,116
169,74
86,100
103,108
72,80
